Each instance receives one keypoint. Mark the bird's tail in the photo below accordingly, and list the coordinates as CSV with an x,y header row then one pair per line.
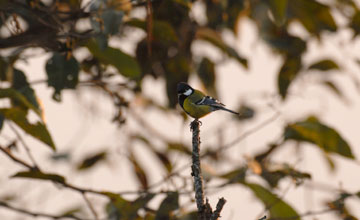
x,y
228,110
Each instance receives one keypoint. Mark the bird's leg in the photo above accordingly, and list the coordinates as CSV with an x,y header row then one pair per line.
x,y
194,124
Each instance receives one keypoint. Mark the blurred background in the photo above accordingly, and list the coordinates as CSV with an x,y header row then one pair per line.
x,y
91,128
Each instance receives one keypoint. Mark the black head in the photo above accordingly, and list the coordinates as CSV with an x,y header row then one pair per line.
x,y
184,89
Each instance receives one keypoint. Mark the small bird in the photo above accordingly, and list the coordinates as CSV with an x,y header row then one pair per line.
x,y
196,104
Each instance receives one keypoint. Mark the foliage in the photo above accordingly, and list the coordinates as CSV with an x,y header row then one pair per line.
x,y
65,29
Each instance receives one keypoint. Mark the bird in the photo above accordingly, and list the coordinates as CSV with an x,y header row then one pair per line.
x,y
197,104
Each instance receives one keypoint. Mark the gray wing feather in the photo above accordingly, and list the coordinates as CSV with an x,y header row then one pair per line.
x,y
207,100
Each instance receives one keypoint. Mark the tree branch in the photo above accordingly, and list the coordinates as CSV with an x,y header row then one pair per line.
x,y
196,169
38,214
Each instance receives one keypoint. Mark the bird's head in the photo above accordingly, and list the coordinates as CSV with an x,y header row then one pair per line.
x,y
184,89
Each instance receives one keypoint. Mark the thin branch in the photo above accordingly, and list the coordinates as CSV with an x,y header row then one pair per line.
x,y
27,149
17,160
38,214
91,207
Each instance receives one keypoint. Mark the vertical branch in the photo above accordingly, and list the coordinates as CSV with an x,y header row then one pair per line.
x,y
205,211
196,170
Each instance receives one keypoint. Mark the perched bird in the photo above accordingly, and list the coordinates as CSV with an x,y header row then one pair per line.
x,y
196,104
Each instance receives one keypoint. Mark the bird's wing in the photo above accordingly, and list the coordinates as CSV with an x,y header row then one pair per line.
x,y
207,100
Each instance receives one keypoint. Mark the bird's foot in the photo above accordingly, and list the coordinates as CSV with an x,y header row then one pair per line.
x,y
195,124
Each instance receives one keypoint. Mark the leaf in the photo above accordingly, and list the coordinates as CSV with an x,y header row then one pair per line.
x,y
167,206
206,73
355,23
92,160
324,65
175,146
17,97
119,208
62,73
20,84
246,112
162,31
124,63
139,171
313,131
278,9
36,174
313,15
288,73
38,130
278,209
214,38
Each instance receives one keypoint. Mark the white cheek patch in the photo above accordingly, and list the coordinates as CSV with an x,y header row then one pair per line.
x,y
188,92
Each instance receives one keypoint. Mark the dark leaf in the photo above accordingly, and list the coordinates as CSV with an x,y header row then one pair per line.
x,y
355,23
313,15
313,131
119,208
1,121
278,209
215,39
19,98
36,174
287,74
91,160
112,20
20,84
324,65
167,206
246,112
206,73
278,9
62,73
63,156
38,130
139,171
124,63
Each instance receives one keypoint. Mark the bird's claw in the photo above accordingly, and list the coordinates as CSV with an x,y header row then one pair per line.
x,y
194,124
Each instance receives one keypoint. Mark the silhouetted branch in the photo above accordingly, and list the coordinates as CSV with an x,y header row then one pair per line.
x,y
38,214
218,209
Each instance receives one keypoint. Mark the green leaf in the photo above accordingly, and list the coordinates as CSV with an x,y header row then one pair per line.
x,y
20,84
119,208
355,23
124,63
313,131
278,9
324,65
38,130
167,206
313,15
19,98
36,174
288,73
333,87
206,73
63,73
215,39
162,31
278,209
92,160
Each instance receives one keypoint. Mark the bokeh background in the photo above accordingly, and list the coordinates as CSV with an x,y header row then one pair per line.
x,y
96,80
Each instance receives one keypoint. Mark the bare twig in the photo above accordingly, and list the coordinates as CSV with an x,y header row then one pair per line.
x,y
38,214
218,209
91,207
17,160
